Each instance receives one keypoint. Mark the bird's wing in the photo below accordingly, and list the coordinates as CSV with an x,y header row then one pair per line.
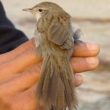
x,y
59,33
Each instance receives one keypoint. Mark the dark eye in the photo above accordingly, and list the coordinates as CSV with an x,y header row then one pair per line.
x,y
40,10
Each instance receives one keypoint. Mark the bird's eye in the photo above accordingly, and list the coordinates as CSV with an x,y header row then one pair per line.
x,y
40,10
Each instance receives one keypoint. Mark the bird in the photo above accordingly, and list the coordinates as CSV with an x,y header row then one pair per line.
x,y
55,40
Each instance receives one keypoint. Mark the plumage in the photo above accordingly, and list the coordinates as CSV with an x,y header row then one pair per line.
x,y
55,43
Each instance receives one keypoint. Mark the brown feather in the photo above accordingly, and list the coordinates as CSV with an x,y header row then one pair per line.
x,y
56,89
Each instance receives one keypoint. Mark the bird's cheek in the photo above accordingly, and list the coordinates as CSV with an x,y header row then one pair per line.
x,y
37,16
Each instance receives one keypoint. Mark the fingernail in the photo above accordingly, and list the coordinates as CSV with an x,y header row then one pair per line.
x,y
78,76
79,79
92,62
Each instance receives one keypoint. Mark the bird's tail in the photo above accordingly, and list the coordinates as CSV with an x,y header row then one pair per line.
x,y
56,88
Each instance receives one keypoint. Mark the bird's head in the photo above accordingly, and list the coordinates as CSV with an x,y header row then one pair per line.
x,y
44,8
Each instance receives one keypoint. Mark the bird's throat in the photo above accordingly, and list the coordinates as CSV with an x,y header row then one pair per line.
x,y
37,16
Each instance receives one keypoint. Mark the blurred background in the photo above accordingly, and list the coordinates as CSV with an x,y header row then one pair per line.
x,y
93,17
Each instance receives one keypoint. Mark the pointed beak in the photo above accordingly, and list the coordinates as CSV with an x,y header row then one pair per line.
x,y
28,9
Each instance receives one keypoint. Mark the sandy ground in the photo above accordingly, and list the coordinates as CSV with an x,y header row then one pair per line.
x,y
93,17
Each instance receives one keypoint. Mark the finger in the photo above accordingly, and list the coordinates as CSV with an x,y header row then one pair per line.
x,y
29,57
26,80
85,50
20,61
84,64
16,52
17,64
20,82
78,79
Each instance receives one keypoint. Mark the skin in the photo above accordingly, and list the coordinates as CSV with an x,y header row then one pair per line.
x,y
18,86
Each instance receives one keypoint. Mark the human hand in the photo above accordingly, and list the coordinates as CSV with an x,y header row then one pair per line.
x,y
20,70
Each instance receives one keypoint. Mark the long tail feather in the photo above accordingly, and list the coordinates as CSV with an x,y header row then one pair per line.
x,y
56,88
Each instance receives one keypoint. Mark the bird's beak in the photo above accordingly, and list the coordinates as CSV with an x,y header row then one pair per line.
x,y
28,9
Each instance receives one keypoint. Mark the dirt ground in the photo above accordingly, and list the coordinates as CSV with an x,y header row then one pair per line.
x,y
93,17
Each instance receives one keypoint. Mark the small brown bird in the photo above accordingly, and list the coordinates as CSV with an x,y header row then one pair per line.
x,y
55,42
